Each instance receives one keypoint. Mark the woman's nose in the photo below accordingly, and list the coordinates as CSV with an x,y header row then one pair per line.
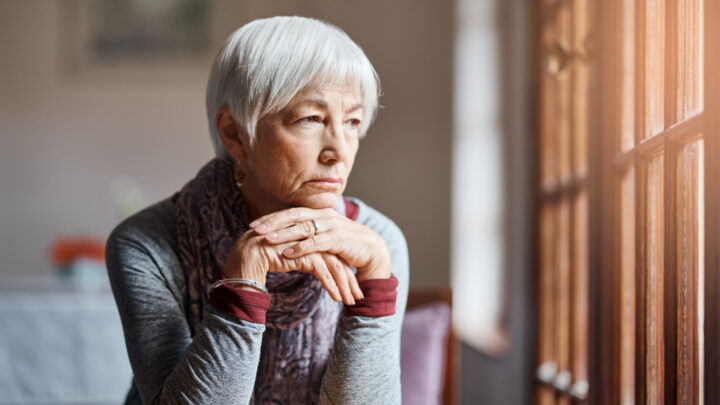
x,y
335,144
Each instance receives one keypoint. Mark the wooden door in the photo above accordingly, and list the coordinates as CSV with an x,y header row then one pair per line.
x,y
628,205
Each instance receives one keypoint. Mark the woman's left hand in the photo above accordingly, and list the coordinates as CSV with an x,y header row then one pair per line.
x,y
355,243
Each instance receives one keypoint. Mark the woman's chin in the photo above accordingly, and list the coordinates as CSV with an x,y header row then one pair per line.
x,y
320,200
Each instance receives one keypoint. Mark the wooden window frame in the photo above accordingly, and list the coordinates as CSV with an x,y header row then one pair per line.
x,y
711,129
604,278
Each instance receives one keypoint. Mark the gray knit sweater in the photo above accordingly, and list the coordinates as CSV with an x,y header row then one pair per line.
x,y
218,365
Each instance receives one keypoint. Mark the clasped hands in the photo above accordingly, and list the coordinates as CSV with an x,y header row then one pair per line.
x,y
289,240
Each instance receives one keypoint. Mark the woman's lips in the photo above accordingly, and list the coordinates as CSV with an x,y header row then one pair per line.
x,y
327,183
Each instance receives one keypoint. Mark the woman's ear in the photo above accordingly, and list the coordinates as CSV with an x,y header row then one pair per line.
x,y
231,133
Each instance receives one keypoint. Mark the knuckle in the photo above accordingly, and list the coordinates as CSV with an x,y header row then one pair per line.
x,y
294,213
338,266
261,257
332,266
307,229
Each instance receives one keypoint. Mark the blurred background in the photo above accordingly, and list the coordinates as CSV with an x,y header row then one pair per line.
x,y
102,113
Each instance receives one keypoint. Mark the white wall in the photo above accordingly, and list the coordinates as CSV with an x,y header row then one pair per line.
x,y
65,140
66,137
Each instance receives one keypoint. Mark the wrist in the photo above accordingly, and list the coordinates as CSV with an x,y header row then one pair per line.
x,y
260,280
241,287
237,284
377,268
379,265
243,268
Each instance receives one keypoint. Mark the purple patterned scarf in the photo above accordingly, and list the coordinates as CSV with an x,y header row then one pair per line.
x,y
211,215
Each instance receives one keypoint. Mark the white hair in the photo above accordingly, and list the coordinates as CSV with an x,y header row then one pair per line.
x,y
267,62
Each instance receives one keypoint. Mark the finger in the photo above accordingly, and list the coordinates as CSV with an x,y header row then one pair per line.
x,y
352,278
337,268
333,271
354,285
323,242
294,233
282,219
326,243
323,274
315,265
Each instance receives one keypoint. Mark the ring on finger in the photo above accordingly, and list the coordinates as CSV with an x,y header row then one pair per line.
x,y
317,229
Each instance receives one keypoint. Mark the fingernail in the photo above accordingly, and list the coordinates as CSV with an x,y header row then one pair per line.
x,y
288,251
272,236
262,228
352,301
253,224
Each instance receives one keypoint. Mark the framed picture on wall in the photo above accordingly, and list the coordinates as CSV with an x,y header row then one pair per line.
x,y
135,38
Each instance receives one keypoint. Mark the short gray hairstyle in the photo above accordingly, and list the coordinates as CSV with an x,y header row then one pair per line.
x,y
267,62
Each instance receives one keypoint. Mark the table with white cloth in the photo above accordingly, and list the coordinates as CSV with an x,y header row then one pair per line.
x,y
60,343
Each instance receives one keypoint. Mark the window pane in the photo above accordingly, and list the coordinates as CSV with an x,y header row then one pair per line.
x,y
548,169
690,262
580,280
548,131
689,13
562,295
563,110
654,71
627,287
627,133
546,354
556,102
580,86
550,112
654,233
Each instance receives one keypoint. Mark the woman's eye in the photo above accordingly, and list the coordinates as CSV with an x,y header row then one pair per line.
x,y
310,119
353,123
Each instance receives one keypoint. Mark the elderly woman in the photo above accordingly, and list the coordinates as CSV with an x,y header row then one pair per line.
x,y
258,282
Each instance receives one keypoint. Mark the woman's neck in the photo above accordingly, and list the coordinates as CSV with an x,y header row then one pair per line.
x,y
259,203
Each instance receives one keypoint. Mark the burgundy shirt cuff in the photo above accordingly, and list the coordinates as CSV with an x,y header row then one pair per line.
x,y
247,305
380,296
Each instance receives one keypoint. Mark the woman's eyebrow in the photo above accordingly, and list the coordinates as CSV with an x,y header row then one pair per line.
x,y
316,101
354,108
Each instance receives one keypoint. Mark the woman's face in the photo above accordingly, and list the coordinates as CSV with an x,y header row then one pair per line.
x,y
302,155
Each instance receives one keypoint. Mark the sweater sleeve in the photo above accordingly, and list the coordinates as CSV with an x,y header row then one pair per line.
x,y
364,367
217,366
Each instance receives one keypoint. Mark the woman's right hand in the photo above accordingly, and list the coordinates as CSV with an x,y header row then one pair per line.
x,y
251,257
